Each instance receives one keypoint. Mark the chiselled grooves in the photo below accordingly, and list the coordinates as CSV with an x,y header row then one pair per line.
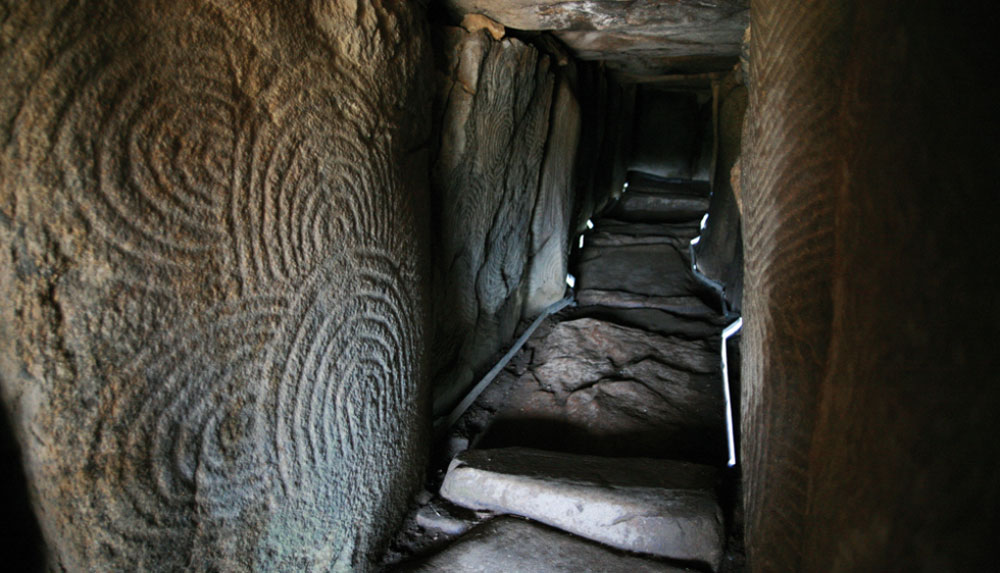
x,y
789,179
243,287
488,179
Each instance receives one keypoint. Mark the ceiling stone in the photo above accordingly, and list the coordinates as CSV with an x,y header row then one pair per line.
x,y
635,37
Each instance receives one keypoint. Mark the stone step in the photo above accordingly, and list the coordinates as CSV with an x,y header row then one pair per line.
x,y
512,545
640,206
656,321
597,387
599,238
648,183
625,232
577,353
684,305
657,507
653,200
659,270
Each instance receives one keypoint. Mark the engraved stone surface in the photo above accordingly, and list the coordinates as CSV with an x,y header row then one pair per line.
x,y
658,507
503,185
211,282
550,221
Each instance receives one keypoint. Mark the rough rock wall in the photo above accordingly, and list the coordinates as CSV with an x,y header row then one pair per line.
x,y
504,190
550,221
606,108
720,251
870,311
211,277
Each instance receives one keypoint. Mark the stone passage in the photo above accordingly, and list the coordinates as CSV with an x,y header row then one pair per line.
x,y
609,425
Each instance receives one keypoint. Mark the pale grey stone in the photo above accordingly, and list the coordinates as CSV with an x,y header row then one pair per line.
x,y
442,517
550,220
658,507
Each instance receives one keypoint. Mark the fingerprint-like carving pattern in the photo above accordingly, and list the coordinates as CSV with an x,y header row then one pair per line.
x,y
309,185
344,371
790,178
275,400
182,427
217,154
246,336
154,171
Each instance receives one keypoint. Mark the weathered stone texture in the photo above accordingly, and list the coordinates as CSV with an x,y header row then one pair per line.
x,y
505,190
652,200
211,286
634,37
550,222
486,180
659,507
509,544
600,388
719,253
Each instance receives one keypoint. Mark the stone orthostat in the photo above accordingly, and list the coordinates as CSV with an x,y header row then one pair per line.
x,y
213,277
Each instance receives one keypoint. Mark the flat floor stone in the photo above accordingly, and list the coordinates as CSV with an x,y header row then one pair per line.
x,y
661,201
653,270
685,230
658,507
648,183
656,321
512,545
685,305
646,207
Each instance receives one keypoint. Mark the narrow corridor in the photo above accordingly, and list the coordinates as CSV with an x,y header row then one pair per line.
x,y
608,425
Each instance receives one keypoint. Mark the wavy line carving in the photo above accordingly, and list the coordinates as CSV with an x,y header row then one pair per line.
x,y
182,428
274,400
244,286
150,146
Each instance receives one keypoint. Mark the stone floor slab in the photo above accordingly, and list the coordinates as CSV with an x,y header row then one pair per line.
x,y
658,507
512,545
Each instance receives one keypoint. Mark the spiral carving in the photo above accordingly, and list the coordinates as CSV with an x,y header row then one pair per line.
x,y
276,398
151,147
244,293
182,427
343,370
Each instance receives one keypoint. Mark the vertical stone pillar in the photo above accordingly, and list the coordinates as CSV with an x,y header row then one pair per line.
x,y
211,281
